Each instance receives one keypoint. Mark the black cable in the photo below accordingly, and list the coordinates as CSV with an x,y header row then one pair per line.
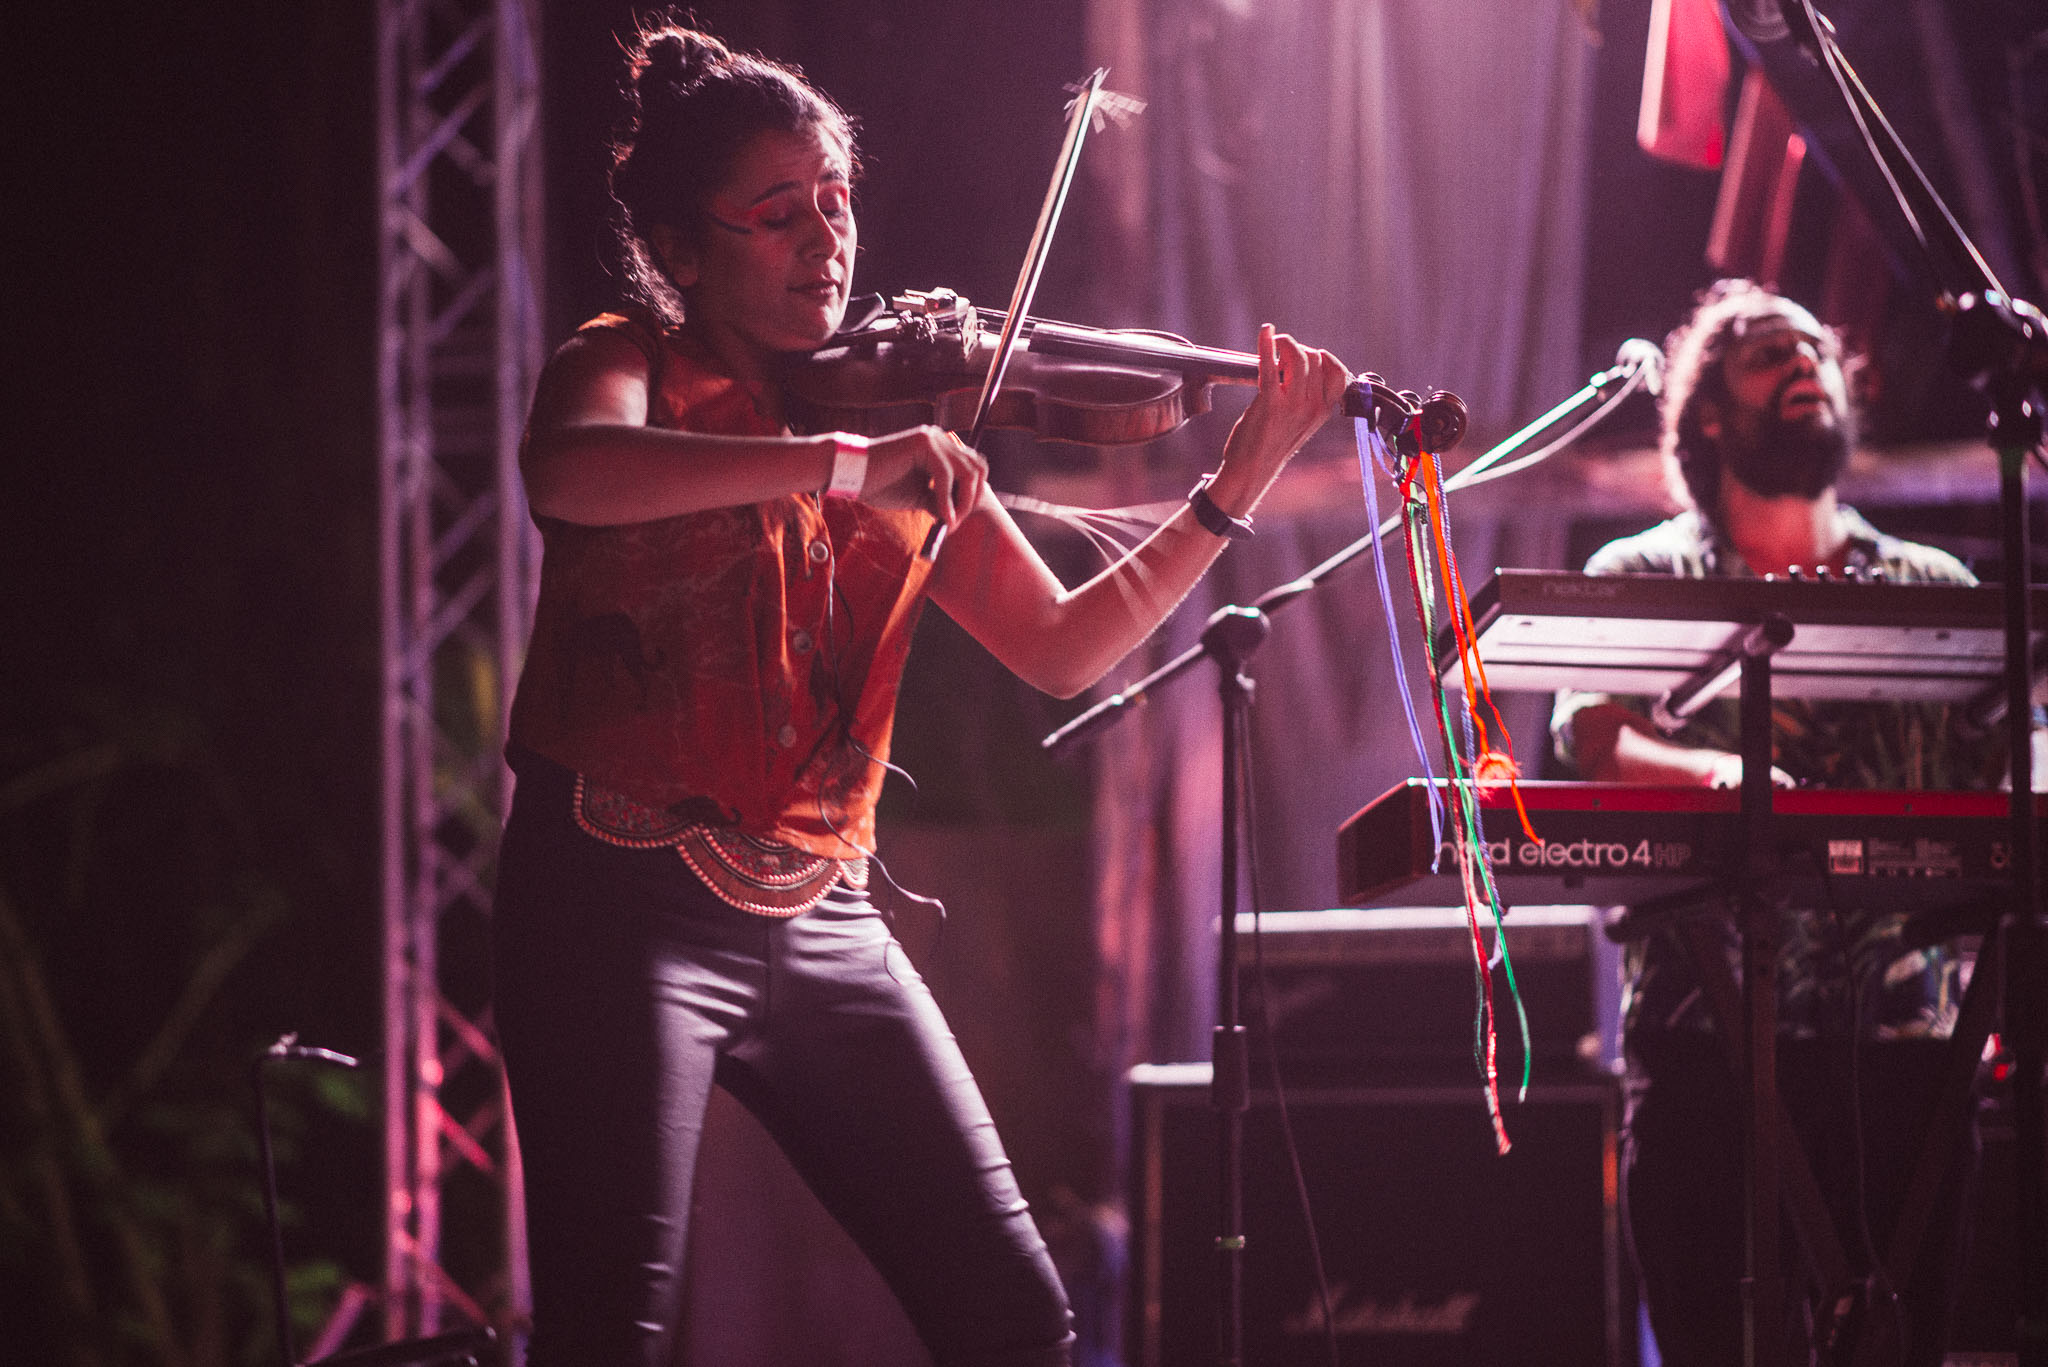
x,y
831,647
1877,1285
1272,1050
1849,86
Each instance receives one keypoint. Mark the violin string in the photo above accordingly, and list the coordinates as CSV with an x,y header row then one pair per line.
x,y
1110,531
1101,540
1111,107
1113,533
1137,517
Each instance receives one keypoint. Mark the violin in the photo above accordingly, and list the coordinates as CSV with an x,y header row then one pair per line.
x,y
923,357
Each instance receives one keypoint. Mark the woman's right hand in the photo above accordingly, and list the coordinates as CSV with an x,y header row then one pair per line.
x,y
925,467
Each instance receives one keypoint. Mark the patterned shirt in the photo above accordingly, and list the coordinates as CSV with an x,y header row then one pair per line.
x,y
1842,971
733,670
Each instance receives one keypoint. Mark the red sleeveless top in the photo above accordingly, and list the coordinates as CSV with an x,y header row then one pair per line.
x,y
735,668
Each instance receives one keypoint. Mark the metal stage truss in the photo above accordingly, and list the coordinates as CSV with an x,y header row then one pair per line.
x,y
459,347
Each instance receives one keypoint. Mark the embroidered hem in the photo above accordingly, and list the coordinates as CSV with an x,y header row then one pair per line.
x,y
762,877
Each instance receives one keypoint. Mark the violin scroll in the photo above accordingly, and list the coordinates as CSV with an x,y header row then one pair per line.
x,y
1440,421
1410,422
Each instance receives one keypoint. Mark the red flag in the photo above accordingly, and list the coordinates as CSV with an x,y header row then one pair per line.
x,y
1685,84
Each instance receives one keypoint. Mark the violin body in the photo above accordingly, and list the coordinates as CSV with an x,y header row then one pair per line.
x,y
926,358
913,366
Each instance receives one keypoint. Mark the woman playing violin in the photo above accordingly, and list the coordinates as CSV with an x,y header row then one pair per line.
x,y
701,728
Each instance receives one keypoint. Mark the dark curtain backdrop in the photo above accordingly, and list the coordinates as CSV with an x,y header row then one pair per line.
x,y
1402,182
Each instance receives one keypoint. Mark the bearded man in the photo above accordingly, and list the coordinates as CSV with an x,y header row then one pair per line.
x,y
1757,423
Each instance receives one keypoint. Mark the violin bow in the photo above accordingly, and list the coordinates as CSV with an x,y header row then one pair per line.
x,y
1081,114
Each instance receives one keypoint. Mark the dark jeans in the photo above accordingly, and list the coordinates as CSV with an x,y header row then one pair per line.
x,y
624,989
1684,1201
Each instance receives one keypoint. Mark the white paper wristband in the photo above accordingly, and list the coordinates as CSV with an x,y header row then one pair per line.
x,y
849,466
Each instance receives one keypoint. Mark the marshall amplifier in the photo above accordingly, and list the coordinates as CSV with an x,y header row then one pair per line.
x,y
1389,994
1439,1251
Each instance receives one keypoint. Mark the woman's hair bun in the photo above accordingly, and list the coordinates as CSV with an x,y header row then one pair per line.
x,y
680,58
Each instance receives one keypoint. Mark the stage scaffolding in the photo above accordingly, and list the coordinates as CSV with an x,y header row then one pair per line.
x,y
459,346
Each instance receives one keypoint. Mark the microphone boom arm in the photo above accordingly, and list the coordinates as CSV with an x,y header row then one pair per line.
x,y
1098,717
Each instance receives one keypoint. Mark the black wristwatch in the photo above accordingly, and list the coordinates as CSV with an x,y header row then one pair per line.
x,y
1213,518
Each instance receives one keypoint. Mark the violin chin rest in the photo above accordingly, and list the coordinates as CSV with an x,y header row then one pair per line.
x,y
861,310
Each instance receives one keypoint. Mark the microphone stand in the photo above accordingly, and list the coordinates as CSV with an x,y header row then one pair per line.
x,y
1232,636
455,1348
2001,344
286,1047
1099,716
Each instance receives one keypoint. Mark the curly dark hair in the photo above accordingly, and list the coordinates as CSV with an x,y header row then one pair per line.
x,y
691,105
1692,373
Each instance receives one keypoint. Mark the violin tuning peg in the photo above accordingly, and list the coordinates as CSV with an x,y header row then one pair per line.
x,y
1441,420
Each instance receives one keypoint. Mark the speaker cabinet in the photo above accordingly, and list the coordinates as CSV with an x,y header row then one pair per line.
x,y
1438,1250
1385,995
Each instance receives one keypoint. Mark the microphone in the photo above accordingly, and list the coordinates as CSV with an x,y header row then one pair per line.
x,y
1761,21
1773,21
1634,357
288,1046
